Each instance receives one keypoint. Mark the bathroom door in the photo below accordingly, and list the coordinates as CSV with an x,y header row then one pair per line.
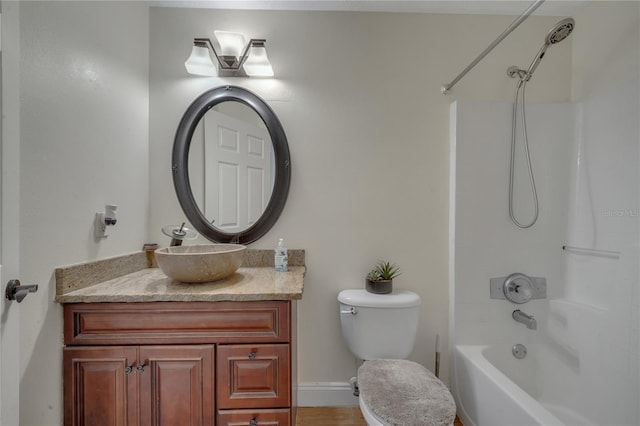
x,y
238,164
9,210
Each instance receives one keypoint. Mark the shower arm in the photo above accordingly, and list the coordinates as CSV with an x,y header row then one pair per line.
x,y
447,87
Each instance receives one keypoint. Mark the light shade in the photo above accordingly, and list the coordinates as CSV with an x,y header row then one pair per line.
x,y
200,63
252,56
231,44
257,64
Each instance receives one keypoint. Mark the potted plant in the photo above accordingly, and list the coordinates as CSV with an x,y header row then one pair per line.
x,y
380,278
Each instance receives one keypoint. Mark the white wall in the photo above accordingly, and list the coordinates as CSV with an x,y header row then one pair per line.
x,y
359,97
605,52
84,144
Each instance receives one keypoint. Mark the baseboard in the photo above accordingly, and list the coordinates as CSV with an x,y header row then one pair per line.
x,y
326,394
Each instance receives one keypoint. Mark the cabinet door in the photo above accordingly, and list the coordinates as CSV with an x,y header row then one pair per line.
x,y
100,388
176,385
253,376
264,417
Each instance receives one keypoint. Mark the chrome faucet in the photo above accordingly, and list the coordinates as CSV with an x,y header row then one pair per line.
x,y
527,320
178,234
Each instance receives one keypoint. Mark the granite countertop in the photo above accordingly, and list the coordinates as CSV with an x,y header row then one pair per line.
x,y
133,278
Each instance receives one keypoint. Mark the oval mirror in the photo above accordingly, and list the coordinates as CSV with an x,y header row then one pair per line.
x,y
231,165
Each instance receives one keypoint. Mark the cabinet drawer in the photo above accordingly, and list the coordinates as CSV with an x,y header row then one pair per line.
x,y
176,323
280,417
253,376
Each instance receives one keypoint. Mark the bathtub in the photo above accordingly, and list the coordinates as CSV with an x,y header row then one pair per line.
x,y
488,395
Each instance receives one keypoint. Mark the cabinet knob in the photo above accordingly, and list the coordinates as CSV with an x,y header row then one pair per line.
x,y
253,421
140,368
252,355
128,369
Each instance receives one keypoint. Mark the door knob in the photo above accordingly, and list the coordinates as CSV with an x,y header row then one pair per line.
x,y
18,292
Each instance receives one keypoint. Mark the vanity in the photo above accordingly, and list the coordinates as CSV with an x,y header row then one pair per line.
x,y
142,349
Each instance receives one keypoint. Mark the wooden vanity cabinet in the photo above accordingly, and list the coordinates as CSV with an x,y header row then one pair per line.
x,y
178,363
122,385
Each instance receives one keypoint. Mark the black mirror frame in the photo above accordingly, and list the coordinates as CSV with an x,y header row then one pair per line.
x,y
180,164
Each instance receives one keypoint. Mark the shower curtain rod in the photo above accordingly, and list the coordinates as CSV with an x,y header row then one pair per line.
x,y
447,87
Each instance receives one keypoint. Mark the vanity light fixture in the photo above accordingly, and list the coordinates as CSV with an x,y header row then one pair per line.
x,y
234,54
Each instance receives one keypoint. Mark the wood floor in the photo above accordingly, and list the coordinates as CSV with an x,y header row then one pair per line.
x,y
338,416
334,416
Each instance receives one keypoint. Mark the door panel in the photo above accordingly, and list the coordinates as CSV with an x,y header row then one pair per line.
x,y
98,390
9,211
176,385
238,162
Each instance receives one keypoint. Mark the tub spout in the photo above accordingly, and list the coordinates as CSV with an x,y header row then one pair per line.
x,y
527,320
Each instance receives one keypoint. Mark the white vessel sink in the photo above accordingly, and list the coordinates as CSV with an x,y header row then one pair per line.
x,y
200,263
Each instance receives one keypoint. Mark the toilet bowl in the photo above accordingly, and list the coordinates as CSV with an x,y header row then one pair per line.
x,y
381,330
369,417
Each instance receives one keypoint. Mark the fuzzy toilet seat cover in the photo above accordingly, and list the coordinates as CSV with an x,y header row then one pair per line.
x,y
404,393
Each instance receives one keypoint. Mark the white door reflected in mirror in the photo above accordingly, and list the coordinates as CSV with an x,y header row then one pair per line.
x,y
237,174
238,167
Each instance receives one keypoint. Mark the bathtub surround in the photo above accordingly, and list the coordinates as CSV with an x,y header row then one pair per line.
x,y
583,361
585,337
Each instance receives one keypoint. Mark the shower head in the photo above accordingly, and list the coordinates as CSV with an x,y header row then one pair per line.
x,y
559,32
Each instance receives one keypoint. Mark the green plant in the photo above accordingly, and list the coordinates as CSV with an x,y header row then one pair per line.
x,y
383,271
373,275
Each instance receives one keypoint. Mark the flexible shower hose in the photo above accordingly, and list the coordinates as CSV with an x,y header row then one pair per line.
x,y
521,86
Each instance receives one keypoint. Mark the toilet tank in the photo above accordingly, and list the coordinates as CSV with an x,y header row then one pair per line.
x,y
377,326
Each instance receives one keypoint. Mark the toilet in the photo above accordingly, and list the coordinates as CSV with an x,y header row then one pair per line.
x,y
381,330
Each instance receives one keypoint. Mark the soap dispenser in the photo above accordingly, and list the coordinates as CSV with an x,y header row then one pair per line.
x,y
281,259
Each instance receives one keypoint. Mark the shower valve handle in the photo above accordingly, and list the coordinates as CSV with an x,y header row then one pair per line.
x,y
518,288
